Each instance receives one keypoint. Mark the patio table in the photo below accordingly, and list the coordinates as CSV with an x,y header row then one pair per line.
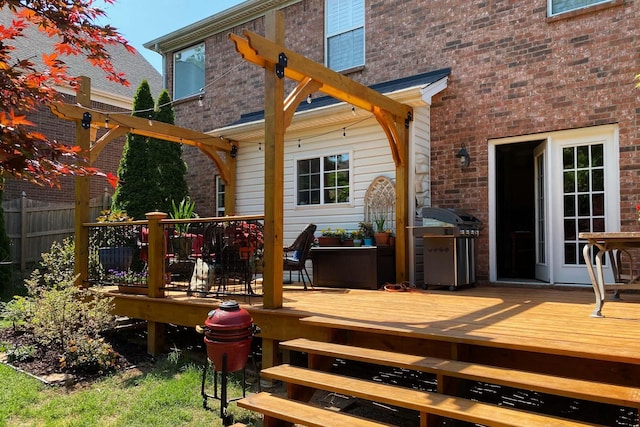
x,y
614,244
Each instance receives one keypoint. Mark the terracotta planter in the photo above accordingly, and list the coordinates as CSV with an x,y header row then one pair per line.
x,y
382,239
329,241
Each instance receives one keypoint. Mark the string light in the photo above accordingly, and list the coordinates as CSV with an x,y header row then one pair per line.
x,y
106,122
201,100
298,143
309,99
353,110
344,132
150,121
259,146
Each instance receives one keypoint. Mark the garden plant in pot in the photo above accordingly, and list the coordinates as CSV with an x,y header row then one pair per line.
x,y
181,241
116,243
366,228
381,236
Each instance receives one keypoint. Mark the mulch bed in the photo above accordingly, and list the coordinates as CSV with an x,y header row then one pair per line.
x,y
128,341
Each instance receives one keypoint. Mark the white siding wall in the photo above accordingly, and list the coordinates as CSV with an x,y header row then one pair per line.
x,y
370,157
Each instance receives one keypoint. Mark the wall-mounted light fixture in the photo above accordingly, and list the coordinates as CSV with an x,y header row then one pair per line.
x,y
463,157
234,151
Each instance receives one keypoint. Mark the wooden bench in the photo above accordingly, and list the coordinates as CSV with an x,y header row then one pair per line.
x,y
558,386
426,403
280,411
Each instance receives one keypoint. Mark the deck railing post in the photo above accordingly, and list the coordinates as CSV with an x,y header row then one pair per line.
x,y
156,254
155,280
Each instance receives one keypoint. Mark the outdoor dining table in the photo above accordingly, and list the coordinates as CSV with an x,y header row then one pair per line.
x,y
614,244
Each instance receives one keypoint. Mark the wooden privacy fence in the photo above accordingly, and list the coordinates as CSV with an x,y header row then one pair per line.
x,y
32,226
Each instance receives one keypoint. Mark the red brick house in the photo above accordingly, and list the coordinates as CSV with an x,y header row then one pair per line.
x,y
541,94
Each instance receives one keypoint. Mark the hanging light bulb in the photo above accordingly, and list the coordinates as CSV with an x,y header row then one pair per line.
x,y
201,100
298,143
353,110
106,122
259,146
309,99
150,121
344,132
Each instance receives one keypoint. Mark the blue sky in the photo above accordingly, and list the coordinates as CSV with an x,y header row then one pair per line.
x,y
140,21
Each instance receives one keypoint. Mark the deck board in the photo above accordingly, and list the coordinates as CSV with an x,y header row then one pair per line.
x,y
536,319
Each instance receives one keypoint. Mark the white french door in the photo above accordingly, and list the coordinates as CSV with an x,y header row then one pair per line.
x,y
585,195
576,190
541,230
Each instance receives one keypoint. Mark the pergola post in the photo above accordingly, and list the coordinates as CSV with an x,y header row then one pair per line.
x,y
273,171
82,190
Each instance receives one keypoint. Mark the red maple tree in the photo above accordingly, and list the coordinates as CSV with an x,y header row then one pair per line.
x,y
24,152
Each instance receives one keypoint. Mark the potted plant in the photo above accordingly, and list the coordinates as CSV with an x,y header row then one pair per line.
x,y
357,238
115,243
366,228
331,237
181,242
381,236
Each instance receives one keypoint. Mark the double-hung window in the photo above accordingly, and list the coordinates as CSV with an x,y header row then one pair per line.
x,y
344,32
561,6
323,180
188,71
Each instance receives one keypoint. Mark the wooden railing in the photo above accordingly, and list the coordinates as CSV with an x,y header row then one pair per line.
x,y
201,256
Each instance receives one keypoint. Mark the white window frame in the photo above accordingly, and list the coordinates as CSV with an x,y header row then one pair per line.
x,y
333,29
220,191
550,4
197,86
322,172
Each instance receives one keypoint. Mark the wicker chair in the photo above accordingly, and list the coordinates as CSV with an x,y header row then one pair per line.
x,y
296,255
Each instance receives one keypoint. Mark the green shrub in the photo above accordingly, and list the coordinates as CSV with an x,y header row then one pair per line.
x,y
25,353
63,317
17,311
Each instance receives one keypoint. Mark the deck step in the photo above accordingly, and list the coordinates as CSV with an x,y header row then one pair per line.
x,y
543,383
281,408
424,402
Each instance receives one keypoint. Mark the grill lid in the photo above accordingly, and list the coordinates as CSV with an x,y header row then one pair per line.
x,y
455,217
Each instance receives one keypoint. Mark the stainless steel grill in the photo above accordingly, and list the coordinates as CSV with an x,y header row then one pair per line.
x,y
448,247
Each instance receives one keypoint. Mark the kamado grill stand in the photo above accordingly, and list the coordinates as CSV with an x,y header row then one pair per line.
x,y
228,332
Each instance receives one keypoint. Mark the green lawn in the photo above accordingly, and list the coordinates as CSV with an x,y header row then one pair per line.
x,y
167,395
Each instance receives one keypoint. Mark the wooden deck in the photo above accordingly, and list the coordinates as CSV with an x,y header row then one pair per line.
x,y
547,330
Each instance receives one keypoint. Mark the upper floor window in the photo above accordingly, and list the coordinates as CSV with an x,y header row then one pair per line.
x,y
344,31
323,180
188,71
560,6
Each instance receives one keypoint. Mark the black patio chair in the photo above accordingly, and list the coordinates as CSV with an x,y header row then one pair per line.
x,y
296,255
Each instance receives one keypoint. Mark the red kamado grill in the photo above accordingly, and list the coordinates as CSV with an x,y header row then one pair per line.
x,y
228,332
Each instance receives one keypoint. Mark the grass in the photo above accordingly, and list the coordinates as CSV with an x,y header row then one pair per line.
x,y
166,394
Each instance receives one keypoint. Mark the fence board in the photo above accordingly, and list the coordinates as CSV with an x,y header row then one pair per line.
x,y
44,223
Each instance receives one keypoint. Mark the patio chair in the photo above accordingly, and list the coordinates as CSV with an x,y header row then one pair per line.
x,y
296,255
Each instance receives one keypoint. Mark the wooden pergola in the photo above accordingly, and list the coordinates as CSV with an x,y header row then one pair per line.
x,y
278,63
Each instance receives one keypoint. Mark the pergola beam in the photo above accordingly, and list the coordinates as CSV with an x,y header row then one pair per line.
x,y
120,125
261,51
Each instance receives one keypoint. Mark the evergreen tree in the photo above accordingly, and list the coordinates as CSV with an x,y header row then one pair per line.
x,y
134,194
168,169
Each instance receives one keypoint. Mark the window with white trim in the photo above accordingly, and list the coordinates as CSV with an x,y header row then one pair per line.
x,y
344,32
188,71
323,180
219,196
561,6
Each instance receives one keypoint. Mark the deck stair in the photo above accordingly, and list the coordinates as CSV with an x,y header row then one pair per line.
x,y
433,407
